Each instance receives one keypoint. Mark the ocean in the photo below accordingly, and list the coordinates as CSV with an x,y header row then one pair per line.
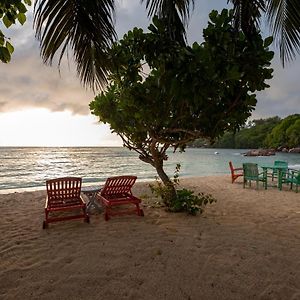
x,y
27,168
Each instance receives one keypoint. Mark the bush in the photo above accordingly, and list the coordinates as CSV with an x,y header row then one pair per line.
x,y
185,199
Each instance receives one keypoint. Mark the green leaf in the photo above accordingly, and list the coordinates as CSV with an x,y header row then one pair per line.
x,y
22,8
6,21
21,18
1,38
268,41
10,47
4,55
28,2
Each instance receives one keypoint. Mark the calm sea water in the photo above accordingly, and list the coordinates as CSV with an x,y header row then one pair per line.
x,y
29,168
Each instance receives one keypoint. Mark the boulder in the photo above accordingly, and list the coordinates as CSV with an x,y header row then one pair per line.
x,y
260,152
295,150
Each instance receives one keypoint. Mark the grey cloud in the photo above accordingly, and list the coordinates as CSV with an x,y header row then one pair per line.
x,y
26,82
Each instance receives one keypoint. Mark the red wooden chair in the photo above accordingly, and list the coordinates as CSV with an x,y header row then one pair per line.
x,y
233,171
63,194
116,192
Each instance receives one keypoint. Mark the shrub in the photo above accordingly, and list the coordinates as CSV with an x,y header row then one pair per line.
x,y
185,199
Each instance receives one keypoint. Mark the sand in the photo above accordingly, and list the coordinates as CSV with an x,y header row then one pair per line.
x,y
245,246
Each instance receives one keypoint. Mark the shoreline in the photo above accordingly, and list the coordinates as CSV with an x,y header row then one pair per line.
x,y
94,183
244,246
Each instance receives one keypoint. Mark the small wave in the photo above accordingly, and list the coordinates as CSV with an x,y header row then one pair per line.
x,y
296,166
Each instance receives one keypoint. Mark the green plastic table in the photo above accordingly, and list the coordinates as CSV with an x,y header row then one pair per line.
x,y
280,170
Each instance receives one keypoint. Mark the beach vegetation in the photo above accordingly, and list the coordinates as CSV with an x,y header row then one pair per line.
x,y
11,11
87,28
271,132
185,201
163,94
286,133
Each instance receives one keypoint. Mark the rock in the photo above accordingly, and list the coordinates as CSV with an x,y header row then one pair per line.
x,y
260,152
295,150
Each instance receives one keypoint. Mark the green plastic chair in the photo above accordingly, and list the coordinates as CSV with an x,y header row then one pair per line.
x,y
294,179
251,173
280,163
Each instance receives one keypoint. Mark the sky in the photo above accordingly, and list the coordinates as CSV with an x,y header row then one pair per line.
x,y
42,106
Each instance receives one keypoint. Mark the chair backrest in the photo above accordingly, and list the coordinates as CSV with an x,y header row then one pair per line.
x,y
118,185
231,167
250,170
297,176
63,188
280,163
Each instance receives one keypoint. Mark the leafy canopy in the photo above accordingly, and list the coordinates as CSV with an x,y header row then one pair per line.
x,y
286,133
249,137
164,94
10,11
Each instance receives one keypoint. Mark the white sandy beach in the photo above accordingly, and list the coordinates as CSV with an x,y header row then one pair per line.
x,y
245,246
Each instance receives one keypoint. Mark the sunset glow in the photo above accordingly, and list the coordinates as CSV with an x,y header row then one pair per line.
x,y
41,127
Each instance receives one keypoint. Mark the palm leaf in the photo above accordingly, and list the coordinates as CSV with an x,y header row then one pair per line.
x,y
85,27
175,12
247,14
284,17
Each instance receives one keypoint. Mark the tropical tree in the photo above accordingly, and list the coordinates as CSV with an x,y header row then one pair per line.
x,y
10,11
87,28
191,92
285,134
283,17
249,137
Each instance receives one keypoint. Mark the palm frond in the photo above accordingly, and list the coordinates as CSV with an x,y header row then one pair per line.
x,y
284,18
247,14
85,27
175,12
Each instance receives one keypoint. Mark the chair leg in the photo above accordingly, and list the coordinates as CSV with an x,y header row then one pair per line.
x,y
106,213
45,222
140,212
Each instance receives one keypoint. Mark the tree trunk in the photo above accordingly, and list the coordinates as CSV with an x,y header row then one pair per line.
x,y
156,159
171,193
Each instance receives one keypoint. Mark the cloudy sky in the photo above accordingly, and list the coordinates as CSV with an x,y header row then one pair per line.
x,y
40,106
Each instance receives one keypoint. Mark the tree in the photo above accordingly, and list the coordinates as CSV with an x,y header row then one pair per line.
x,y
190,92
283,17
285,134
87,27
10,11
253,136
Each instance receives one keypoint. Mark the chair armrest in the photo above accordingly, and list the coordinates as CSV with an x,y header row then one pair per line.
x,y
46,204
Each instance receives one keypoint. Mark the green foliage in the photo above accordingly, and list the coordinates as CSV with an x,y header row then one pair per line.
x,y
286,133
185,200
10,11
254,137
190,203
190,92
166,192
248,137
263,133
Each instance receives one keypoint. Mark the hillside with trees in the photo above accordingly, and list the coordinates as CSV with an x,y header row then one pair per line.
x,y
262,133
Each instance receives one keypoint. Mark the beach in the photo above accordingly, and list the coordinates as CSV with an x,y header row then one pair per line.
x,y
244,246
